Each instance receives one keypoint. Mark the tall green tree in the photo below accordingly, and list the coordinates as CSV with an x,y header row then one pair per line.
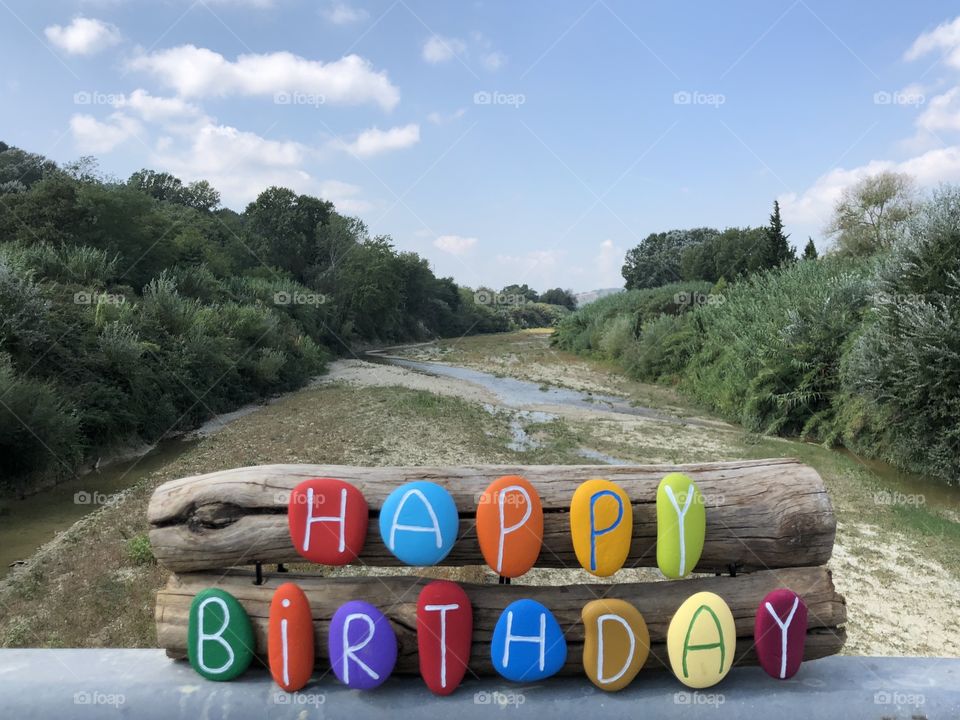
x,y
778,250
871,214
810,250
656,260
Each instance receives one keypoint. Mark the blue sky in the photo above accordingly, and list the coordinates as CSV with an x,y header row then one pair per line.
x,y
505,141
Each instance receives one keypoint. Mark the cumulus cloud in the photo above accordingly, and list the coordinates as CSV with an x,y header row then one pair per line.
x,y
439,49
83,36
342,13
945,39
375,141
196,72
158,109
455,244
438,118
94,136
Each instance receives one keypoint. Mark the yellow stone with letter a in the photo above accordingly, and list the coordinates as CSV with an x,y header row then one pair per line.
x,y
702,640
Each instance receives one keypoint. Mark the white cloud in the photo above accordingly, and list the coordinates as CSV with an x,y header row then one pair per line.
x,y
375,141
83,36
494,61
198,72
455,244
942,112
242,164
539,262
342,13
945,38
608,263
93,136
438,49
158,109
438,118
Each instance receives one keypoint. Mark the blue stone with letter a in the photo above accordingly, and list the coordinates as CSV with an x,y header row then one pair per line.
x,y
419,523
527,643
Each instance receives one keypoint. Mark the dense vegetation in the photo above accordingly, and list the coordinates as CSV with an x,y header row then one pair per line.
x,y
859,348
132,309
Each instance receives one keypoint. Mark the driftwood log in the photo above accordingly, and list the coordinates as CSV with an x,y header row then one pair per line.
x,y
397,598
760,514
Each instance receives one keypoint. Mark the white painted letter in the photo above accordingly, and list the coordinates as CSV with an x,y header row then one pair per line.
x,y
203,637
341,518
443,636
633,646
349,650
541,639
504,531
681,514
784,626
434,528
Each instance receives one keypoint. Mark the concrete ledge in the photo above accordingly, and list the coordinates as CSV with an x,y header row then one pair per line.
x,y
145,684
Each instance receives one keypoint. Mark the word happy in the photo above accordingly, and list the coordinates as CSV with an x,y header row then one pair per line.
x,y
419,523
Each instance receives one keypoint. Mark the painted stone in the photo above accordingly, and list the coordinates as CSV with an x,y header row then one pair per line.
x,y
527,643
419,523
601,523
681,525
701,640
362,645
327,520
444,631
290,638
616,643
780,632
510,525
219,635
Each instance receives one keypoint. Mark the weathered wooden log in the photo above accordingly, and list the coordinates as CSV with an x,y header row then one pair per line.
x,y
760,514
397,598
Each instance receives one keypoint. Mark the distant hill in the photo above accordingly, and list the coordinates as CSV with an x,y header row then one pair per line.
x,y
585,298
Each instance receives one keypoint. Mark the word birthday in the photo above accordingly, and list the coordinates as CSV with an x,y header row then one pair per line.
x,y
419,524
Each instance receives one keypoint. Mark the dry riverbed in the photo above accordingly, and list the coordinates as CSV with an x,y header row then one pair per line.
x,y
94,584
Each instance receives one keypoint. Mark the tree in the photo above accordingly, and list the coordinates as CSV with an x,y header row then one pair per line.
x,y
559,296
524,291
656,260
284,226
809,250
778,250
870,214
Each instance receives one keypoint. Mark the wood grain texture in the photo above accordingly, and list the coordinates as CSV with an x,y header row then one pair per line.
x,y
397,598
760,514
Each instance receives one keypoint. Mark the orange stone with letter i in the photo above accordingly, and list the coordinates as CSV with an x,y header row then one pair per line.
x,y
510,525
290,638
327,520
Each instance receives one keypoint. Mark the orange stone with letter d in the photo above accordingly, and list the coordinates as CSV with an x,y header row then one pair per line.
x,y
510,525
290,637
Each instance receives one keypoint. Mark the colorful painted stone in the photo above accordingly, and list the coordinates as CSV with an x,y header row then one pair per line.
x,y
327,520
681,525
290,638
444,631
527,643
419,523
601,523
219,635
362,645
702,640
616,643
510,525
780,632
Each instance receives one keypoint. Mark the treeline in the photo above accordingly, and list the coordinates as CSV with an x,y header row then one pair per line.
x,y
860,348
129,310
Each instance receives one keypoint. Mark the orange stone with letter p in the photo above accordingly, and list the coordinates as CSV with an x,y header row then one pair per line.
x,y
510,525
